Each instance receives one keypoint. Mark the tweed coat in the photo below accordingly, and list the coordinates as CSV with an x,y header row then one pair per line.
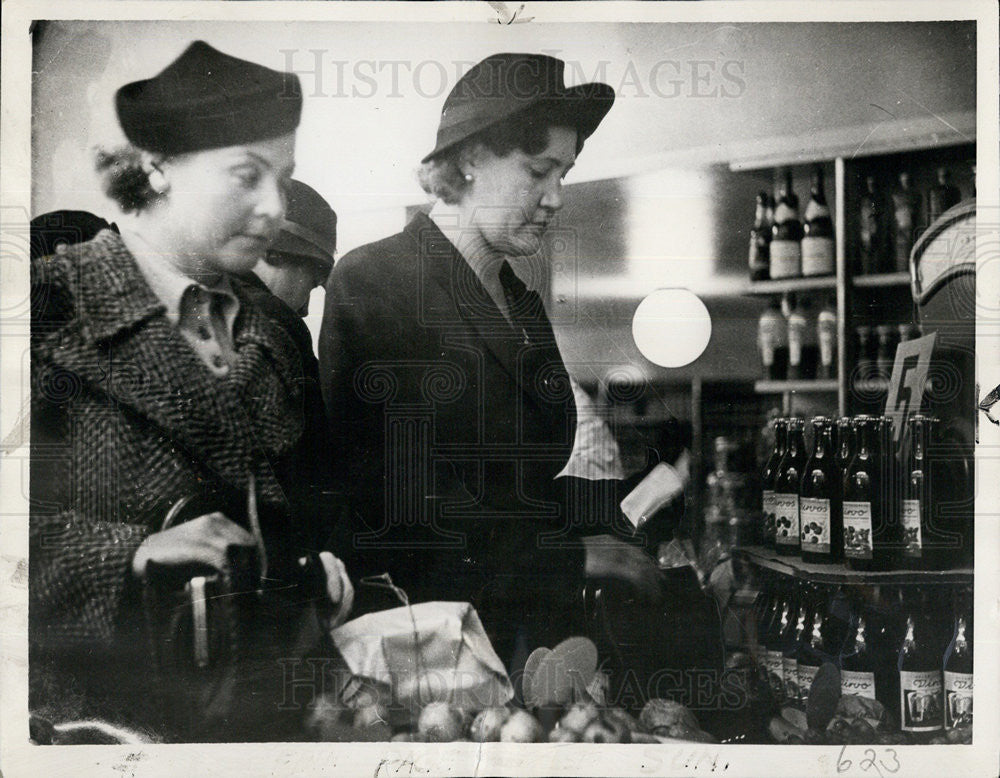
x,y
125,421
453,425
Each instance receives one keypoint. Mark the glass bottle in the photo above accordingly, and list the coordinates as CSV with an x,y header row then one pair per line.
x,y
812,652
760,240
907,205
862,498
957,662
792,638
798,322
858,663
886,354
920,680
817,243
786,234
886,535
786,490
774,645
768,478
772,342
826,333
917,503
872,228
942,196
821,520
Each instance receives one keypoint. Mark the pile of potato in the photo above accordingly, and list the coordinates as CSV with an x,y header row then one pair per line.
x,y
582,722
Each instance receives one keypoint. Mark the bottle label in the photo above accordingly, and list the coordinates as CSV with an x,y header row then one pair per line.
x,y
786,519
814,516
817,256
957,699
786,259
790,669
783,213
857,682
912,540
920,700
806,675
857,530
774,662
767,508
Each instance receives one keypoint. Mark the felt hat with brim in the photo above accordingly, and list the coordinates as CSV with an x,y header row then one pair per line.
x,y
205,99
310,225
504,85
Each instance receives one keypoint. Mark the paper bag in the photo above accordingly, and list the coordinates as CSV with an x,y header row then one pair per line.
x,y
429,652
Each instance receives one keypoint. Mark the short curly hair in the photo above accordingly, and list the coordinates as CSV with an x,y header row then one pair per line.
x,y
124,179
528,131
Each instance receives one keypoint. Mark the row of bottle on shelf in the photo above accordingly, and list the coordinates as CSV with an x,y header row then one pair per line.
x,y
910,649
794,343
783,246
857,497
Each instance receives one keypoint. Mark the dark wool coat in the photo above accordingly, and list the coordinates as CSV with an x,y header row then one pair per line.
x,y
125,421
452,429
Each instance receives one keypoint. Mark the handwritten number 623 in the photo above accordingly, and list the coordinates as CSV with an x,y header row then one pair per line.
x,y
869,762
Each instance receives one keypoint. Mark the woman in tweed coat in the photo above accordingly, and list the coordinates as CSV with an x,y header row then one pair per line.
x,y
155,379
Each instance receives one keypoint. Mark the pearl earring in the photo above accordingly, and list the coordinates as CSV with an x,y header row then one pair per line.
x,y
468,177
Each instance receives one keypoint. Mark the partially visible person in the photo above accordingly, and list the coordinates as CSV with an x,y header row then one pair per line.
x,y
301,257
157,382
298,260
55,231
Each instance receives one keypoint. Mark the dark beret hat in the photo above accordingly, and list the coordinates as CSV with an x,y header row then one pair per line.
x,y
503,85
310,226
205,99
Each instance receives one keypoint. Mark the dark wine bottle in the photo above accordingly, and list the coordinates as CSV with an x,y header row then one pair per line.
x,y
768,478
958,673
920,680
786,234
812,651
845,450
906,217
917,504
821,519
760,240
942,196
817,242
792,638
873,228
886,534
786,490
862,496
858,665
774,656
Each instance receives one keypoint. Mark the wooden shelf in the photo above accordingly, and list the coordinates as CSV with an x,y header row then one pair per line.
x,y
786,285
839,573
882,279
780,387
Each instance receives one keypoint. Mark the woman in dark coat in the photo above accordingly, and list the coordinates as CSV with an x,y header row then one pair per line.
x,y
154,379
446,390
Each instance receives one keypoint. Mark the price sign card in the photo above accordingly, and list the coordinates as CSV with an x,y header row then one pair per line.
x,y
909,377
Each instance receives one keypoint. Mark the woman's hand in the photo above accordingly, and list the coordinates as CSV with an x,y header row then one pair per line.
x,y
203,540
608,557
338,587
